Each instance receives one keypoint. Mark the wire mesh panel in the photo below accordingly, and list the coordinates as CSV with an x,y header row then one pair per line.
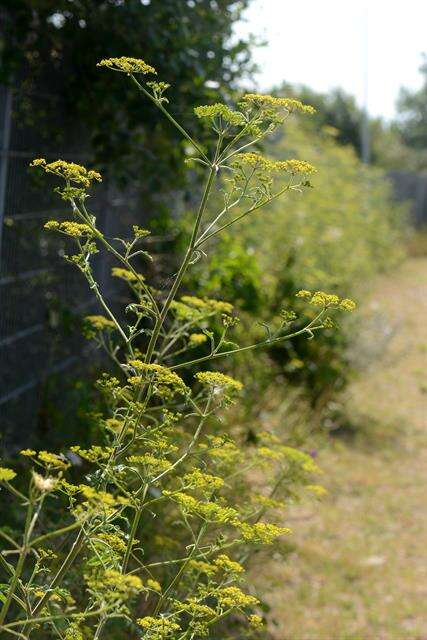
x,y
412,187
41,295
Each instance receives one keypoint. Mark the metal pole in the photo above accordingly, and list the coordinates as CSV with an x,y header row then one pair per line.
x,y
4,160
364,125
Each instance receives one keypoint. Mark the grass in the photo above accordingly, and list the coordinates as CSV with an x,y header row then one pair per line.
x,y
356,568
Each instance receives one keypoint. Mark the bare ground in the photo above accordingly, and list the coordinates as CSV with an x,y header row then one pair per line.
x,y
356,568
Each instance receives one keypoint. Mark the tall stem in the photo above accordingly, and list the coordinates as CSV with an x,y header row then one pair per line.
x,y
185,263
20,564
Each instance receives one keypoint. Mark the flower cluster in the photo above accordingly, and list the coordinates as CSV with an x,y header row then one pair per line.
x,y
158,628
219,110
196,339
327,300
217,380
165,380
100,323
69,227
114,585
193,308
127,65
266,166
271,102
69,171
6,474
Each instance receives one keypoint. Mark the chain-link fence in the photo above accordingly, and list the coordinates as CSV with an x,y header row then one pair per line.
x,y
412,187
41,295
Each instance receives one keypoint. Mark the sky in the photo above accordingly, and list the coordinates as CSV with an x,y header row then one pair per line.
x,y
370,49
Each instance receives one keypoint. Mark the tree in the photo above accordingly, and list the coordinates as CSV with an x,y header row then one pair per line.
x,y
412,120
56,44
336,109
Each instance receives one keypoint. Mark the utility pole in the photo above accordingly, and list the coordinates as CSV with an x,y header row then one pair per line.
x,y
365,138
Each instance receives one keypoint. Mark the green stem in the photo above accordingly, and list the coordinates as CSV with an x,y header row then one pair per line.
x,y
72,554
41,620
264,343
184,265
170,118
19,566
181,570
133,531
57,532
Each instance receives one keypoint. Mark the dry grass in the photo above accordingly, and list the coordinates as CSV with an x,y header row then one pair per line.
x,y
357,565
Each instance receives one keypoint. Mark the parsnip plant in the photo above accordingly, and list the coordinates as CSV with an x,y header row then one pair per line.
x,y
152,541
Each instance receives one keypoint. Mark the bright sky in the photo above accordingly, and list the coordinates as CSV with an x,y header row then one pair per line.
x,y
331,43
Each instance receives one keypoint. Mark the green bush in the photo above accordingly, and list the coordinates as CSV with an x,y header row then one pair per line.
x,y
343,231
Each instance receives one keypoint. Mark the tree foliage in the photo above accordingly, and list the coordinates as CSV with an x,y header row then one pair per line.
x,y
53,45
412,108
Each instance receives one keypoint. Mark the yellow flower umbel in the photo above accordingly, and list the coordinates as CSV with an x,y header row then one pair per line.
x,y
327,300
217,380
266,166
158,628
264,102
165,381
219,110
127,65
69,228
69,171
97,324
6,474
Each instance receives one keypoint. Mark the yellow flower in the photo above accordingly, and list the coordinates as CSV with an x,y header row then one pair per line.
x,y
327,300
52,460
158,628
265,166
69,171
127,65
234,597
218,380
203,481
27,452
154,585
270,102
197,339
220,110
317,490
228,566
167,381
256,622
347,305
6,474
69,227
114,584
261,532
100,323
94,454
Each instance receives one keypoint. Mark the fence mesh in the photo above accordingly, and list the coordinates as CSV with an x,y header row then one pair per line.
x,y
41,295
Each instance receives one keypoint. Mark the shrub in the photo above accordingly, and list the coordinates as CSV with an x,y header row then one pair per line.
x,y
151,537
337,236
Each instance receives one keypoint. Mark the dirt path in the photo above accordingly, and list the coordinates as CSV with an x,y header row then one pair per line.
x,y
357,568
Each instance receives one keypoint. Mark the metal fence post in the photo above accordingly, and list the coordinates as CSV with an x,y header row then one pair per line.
x,y
5,141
